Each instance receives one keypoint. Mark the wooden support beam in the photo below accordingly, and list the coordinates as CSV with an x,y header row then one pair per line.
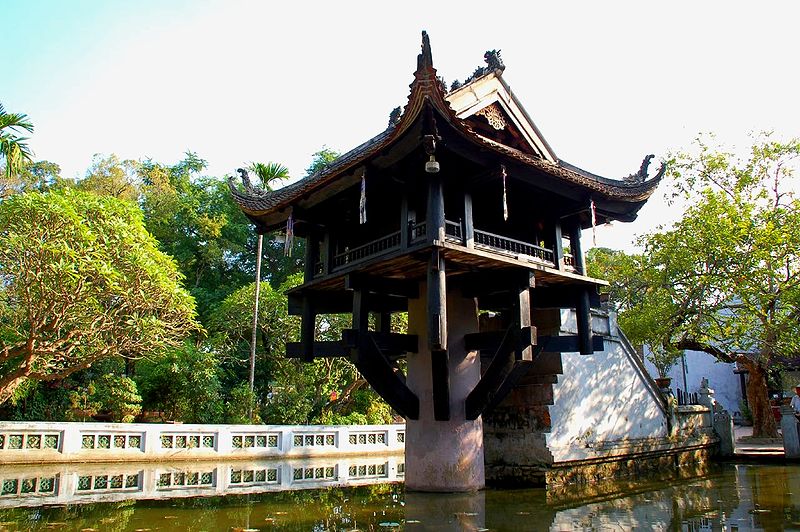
x,y
319,350
437,302
435,214
498,379
307,326
312,254
577,251
341,302
525,347
405,230
381,285
583,313
378,371
490,341
386,341
505,281
564,296
361,310
441,384
383,322
469,224
328,253
569,344
393,345
558,246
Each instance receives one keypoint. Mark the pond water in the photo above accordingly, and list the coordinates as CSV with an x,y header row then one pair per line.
x,y
716,497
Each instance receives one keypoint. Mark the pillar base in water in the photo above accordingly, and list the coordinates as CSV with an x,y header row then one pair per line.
x,y
444,456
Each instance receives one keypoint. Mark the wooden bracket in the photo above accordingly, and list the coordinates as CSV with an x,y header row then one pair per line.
x,y
499,378
379,373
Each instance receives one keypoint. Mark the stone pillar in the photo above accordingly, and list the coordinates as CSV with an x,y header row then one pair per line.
x,y
444,456
723,428
790,428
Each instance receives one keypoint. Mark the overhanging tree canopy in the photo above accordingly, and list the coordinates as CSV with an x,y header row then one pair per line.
x,y
726,278
81,279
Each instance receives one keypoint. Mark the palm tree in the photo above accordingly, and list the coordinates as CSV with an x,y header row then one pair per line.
x,y
267,173
12,146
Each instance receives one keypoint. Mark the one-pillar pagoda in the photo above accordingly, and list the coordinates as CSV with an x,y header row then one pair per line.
x,y
460,214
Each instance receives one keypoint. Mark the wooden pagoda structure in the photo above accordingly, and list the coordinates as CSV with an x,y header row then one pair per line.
x,y
459,207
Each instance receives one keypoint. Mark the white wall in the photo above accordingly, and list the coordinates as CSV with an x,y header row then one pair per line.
x,y
600,398
720,375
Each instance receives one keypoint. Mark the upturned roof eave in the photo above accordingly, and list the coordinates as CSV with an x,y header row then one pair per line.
x,y
426,90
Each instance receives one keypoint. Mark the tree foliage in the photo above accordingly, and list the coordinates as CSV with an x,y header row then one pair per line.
x,y
291,391
81,280
725,279
14,150
197,223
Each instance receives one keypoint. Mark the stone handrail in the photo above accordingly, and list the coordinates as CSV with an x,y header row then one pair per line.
x,y
43,442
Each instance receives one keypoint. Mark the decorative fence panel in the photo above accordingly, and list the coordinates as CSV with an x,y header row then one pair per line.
x,y
24,442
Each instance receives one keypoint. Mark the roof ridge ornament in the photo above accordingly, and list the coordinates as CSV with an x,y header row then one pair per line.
x,y
249,188
425,58
641,175
493,59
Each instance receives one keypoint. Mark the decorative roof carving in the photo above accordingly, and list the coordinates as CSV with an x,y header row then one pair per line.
x,y
493,63
641,175
492,58
494,116
249,188
394,116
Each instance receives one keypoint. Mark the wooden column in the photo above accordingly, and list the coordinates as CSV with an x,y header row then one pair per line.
x,y
327,250
436,230
527,338
404,227
584,318
558,246
383,322
437,301
437,335
307,325
312,253
577,252
469,224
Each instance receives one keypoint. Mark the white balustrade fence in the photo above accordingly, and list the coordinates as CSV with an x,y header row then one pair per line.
x,y
35,442
74,483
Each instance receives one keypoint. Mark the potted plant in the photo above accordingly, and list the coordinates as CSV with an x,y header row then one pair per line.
x,y
663,358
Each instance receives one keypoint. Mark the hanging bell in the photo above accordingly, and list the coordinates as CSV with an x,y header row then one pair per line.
x,y
432,165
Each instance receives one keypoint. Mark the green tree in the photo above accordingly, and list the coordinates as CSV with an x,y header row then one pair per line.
x,y
321,159
196,222
183,385
288,390
725,279
109,176
14,150
114,396
82,280
34,176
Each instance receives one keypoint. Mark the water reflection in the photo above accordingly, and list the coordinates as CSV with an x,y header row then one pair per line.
x,y
727,497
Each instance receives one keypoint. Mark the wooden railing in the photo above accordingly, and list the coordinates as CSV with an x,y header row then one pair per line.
x,y
452,231
517,248
367,250
418,231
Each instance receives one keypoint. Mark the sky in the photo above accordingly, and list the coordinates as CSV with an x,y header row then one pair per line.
x,y
238,81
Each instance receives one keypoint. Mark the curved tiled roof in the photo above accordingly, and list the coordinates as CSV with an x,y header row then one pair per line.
x,y
426,89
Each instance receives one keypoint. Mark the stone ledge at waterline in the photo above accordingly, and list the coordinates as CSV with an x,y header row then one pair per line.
x,y
39,442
